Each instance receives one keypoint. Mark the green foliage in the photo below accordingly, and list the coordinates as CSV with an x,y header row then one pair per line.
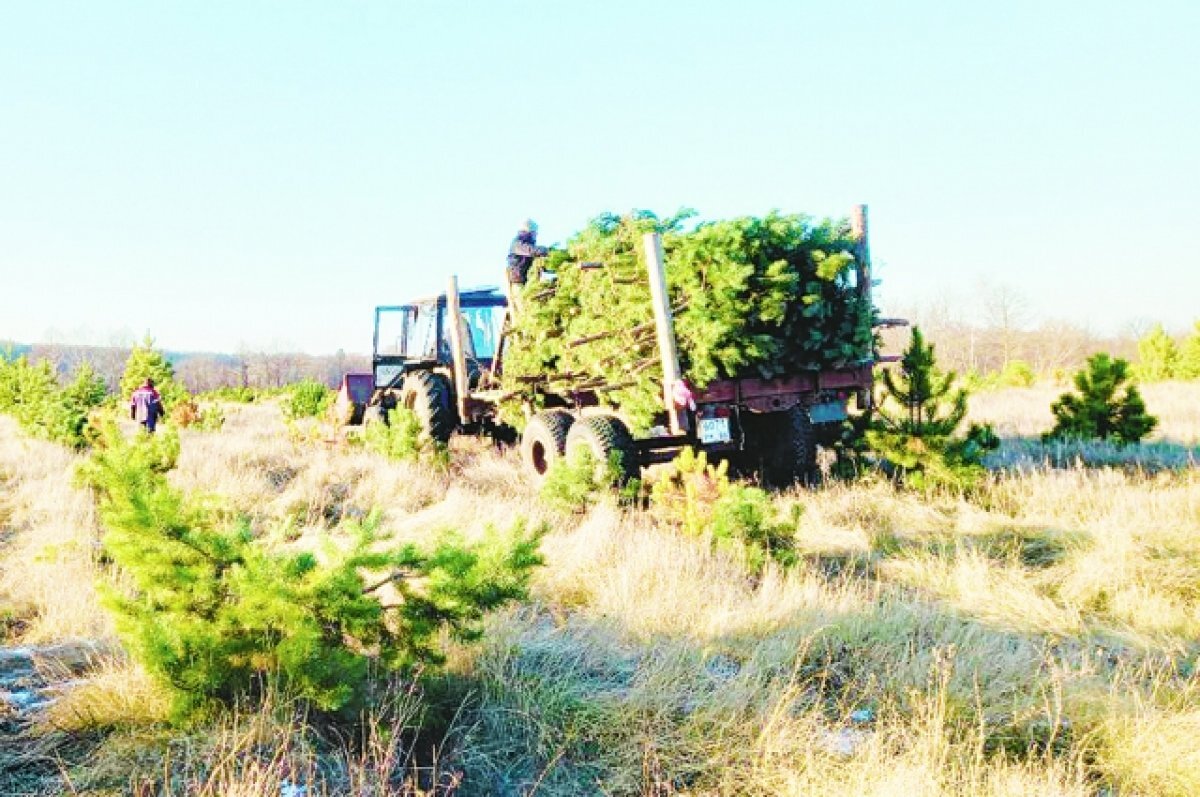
x,y
31,394
403,439
574,482
149,453
1158,356
239,394
307,399
700,499
753,296
915,428
146,362
1103,407
1189,355
1016,373
215,613
210,418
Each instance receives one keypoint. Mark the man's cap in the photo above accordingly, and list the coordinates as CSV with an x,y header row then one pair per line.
x,y
529,225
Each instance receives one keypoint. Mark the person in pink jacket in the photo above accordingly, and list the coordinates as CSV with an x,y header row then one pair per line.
x,y
145,406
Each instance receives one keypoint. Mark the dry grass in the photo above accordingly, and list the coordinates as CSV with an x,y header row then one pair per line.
x,y
48,544
113,694
1042,638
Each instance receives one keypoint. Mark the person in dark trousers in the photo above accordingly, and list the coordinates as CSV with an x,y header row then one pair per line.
x,y
522,252
145,406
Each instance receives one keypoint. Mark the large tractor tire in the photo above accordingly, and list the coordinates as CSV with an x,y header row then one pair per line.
x,y
789,448
429,396
611,446
545,440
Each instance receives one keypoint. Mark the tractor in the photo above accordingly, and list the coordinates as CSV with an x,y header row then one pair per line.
x,y
413,363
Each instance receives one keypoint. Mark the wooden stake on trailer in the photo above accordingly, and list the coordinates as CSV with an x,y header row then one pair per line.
x,y
862,259
665,326
862,253
458,353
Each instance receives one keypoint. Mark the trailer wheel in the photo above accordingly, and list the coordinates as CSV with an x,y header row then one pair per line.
x,y
545,440
790,448
429,396
611,446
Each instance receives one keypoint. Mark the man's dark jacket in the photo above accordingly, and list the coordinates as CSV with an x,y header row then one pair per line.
x,y
521,253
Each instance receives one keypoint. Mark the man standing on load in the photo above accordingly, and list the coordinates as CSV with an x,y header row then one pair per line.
x,y
522,252
145,406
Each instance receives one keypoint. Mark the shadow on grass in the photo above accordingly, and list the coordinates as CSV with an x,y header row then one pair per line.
x,y
1030,545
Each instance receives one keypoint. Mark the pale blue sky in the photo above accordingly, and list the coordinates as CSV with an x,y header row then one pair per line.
x,y
228,174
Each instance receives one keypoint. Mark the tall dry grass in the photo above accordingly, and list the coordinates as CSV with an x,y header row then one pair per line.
x,y
48,544
648,664
1041,638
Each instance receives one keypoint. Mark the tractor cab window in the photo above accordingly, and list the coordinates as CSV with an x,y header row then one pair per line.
x,y
389,331
420,332
409,332
483,328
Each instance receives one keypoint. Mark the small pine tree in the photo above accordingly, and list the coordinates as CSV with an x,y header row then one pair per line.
x,y
1099,410
85,392
31,393
146,362
1158,356
25,391
215,613
1189,355
403,439
307,399
87,389
701,500
915,427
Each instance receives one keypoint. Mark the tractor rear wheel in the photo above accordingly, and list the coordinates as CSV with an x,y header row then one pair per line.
x,y
789,448
545,440
429,396
610,444
372,415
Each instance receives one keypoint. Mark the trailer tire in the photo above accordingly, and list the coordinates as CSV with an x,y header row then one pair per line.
x,y
611,446
429,396
544,440
790,448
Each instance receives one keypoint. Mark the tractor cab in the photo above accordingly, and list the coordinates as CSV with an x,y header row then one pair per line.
x,y
416,336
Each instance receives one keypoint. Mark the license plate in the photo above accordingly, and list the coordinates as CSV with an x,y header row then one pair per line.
x,y
714,430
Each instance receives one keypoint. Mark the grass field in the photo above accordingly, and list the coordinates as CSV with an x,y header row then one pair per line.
x,y
1040,638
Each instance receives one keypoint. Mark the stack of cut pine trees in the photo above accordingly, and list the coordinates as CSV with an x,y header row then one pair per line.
x,y
752,296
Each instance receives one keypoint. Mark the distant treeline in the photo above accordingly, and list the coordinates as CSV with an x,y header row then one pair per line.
x,y
1008,352
200,371
999,351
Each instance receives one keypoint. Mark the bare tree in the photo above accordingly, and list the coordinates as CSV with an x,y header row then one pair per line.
x,y
1007,312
